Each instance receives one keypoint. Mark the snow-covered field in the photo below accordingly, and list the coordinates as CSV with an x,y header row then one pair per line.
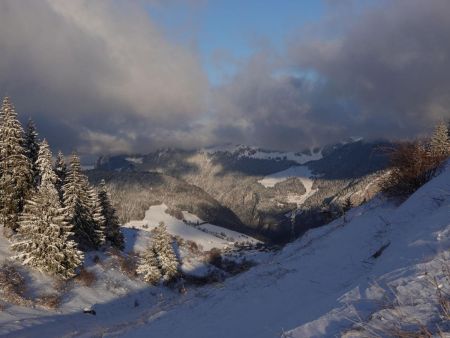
x,y
303,173
334,279
207,236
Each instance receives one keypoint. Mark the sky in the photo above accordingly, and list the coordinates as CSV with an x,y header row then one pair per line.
x,y
115,76
229,30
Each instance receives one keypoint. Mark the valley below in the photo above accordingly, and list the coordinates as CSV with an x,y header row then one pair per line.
x,y
378,260
274,196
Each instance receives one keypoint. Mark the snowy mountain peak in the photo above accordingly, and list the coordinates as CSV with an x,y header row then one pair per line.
x,y
243,151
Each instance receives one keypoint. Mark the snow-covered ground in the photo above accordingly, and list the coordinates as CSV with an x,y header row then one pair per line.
x,y
303,173
207,236
318,286
135,160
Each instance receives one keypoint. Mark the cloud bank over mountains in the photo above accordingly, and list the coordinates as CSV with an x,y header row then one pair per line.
x,y
102,77
100,74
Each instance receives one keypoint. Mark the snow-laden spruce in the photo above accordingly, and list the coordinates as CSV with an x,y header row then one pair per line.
x,y
113,235
163,248
32,149
148,266
96,214
61,172
78,203
45,237
15,172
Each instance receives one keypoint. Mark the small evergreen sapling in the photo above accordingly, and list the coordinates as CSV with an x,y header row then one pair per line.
x,y
148,266
347,205
167,260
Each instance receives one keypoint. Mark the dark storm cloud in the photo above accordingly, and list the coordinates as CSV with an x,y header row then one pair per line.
x,y
100,77
97,75
382,72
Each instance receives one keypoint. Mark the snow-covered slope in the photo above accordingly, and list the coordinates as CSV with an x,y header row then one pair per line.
x,y
192,228
303,173
316,275
315,287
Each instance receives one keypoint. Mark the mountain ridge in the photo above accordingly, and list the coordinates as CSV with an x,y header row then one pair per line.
x,y
232,176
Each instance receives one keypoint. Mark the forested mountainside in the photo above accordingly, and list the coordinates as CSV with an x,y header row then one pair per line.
x,y
228,185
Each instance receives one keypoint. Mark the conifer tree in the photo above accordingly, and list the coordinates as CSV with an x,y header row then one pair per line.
x,y
32,149
347,204
5,106
78,204
148,266
61,172
45,237
113,233
96,214
167,260
16,175
439,145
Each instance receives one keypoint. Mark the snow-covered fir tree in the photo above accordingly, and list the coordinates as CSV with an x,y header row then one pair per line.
x,y
439,145
32,149
78,205
167,260
113,234
96,214
16,174
61,172
44,236
148,266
